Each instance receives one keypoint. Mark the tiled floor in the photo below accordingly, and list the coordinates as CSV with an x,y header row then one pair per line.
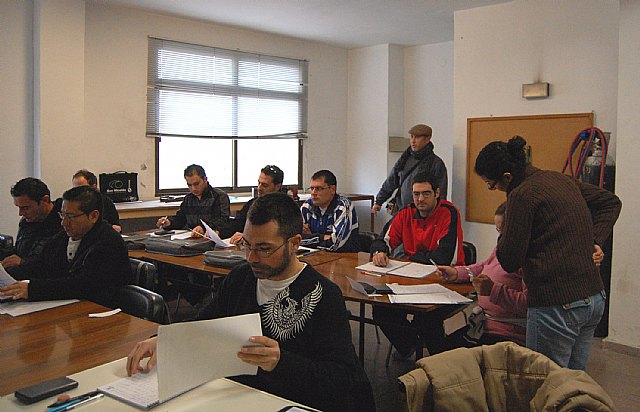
x,y
617,373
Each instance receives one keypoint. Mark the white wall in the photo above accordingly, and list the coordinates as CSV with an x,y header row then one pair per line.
x,y
16,100
571,44
624,326
92,84
368,120
428,91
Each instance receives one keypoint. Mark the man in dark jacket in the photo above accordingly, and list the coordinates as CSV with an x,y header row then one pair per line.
x,y
39,223
204,202
270,180
306,354
83,177
419,157
87,261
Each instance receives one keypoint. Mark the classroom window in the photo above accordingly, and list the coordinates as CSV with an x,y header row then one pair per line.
x,y
231,112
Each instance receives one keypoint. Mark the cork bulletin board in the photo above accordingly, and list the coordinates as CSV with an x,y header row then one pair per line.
x,y
549,137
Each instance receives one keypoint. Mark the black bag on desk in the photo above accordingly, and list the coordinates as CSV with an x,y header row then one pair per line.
x,y
178,247
224,258
120,186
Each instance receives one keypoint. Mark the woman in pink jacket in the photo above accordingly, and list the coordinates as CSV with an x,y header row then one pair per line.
x,y
501,295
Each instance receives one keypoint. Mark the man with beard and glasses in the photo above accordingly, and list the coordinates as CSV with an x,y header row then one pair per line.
x,y
306,354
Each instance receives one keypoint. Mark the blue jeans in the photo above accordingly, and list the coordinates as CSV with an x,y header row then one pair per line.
x,y
564,333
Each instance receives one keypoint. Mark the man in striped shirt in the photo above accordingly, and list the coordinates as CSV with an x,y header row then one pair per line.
x,y
330,220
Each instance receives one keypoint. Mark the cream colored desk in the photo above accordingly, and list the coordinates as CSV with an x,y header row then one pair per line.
x,y
220,395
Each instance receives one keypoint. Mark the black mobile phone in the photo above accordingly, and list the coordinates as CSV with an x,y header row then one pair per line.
x,y
163,232
44,390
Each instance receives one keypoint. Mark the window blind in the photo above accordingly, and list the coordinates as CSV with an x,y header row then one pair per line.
x,y
200,91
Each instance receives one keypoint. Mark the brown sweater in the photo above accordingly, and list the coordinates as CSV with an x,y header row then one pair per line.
x,y
550,233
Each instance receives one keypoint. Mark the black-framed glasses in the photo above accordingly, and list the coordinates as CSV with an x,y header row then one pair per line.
x,y
261,252
68,216
426,194
317,188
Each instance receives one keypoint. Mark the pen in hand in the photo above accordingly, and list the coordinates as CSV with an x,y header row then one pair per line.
x,y
163,221
444,273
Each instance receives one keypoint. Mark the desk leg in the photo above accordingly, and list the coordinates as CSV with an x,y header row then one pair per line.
x,y
361,335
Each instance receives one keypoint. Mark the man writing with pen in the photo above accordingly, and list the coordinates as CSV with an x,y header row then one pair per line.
x,y
428,230
203,202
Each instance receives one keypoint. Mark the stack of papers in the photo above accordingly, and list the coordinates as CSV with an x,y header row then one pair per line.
x,y
407,269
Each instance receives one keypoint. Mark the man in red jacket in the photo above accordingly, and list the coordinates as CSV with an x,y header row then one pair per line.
x,y
429,229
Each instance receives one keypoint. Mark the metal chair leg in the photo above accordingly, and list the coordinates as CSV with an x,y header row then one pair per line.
x,y
377,334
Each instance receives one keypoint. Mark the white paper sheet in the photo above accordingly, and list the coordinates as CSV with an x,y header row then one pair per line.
x,y
105,314
417,289
5,278
406,269
212,235
449,298
21,307
393,265
181,234
192,353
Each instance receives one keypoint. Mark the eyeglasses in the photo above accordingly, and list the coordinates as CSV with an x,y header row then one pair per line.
x,y
425,194
68,216
317,188
260,252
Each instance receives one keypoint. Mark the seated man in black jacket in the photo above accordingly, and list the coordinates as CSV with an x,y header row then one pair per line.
x,y
87,261
306,354
270,180
83,177
39,222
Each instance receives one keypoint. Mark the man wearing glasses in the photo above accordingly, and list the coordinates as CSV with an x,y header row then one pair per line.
x,y
329,219
428,230
39,222
270,180
306,354
88,260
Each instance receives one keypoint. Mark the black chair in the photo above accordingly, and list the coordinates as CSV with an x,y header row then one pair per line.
x,y
365,239
142,303
469,249
145,274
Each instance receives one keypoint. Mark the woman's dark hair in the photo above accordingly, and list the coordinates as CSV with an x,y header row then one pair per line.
x,y
498,158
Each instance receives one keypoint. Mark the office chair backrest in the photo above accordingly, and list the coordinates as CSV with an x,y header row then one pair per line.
x,y
144,273
142,303
365,239
469,250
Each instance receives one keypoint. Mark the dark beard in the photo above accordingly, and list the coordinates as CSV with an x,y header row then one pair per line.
x,y
267,272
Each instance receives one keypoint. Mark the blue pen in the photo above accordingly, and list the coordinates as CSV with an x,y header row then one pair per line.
x,y
72,405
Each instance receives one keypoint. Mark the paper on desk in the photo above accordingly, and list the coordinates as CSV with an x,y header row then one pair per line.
x,y
5,278
391,266
397,268
417,289
192,353
21,307
211,234
181,234
448,298
105,314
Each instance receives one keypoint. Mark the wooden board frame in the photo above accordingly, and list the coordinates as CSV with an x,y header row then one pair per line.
x,y
550,137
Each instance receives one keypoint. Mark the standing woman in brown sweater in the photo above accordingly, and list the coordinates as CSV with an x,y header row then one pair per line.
x,y
553,228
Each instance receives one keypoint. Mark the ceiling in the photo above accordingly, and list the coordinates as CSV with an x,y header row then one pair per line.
x,y
343,23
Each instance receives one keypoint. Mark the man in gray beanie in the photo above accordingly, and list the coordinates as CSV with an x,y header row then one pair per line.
x,y
419,157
